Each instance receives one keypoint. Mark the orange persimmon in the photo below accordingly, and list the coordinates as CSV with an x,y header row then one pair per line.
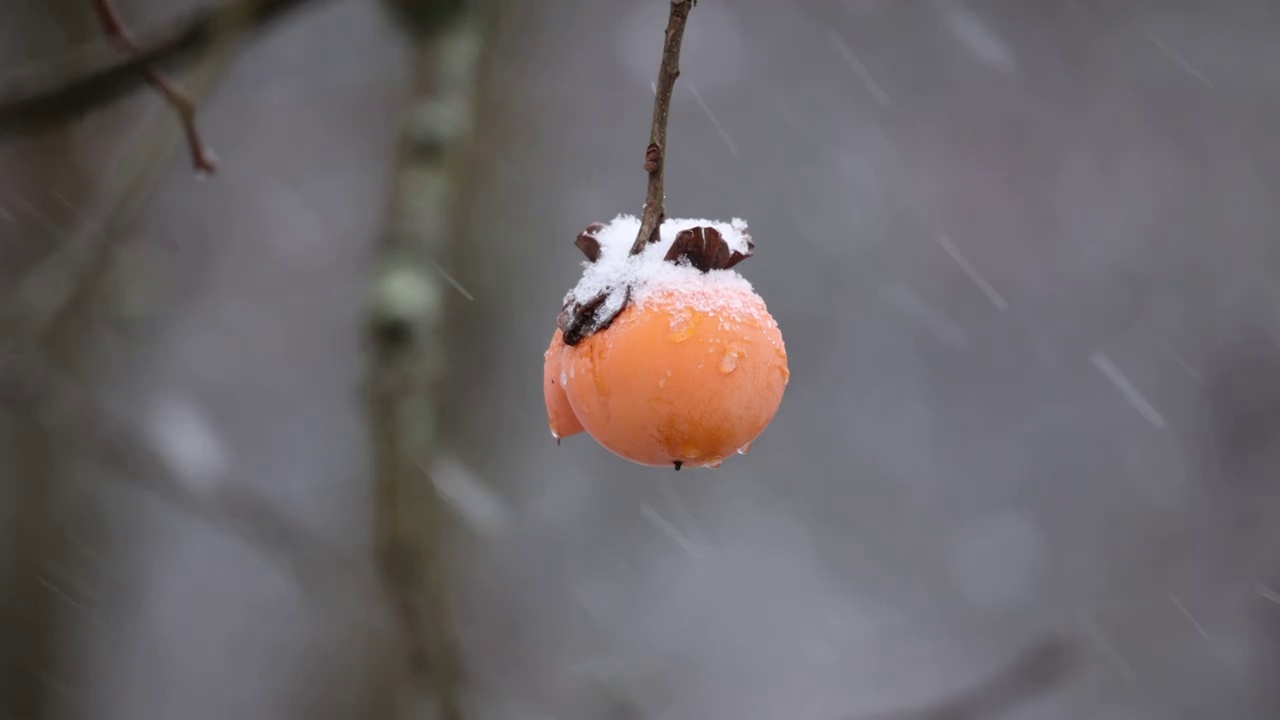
x,y
666,356
679,380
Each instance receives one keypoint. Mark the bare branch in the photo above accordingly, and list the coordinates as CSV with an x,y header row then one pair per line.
x,y
655,155
201,156
31,106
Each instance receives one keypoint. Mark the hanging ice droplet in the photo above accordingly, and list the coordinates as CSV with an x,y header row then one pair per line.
x,y
744,449
715,463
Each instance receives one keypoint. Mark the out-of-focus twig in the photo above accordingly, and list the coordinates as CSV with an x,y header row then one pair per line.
x,y
45,324
42,310
30,105
323,571
202,158
44,327
1033,672
655,156
405,322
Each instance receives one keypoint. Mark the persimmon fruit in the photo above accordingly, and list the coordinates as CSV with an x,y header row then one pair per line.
x,y
667,358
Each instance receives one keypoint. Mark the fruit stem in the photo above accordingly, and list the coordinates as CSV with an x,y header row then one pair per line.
x,y
655,154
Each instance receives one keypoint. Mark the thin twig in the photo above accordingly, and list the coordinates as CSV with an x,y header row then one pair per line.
x,y
655,155
48,301
202,158
34,105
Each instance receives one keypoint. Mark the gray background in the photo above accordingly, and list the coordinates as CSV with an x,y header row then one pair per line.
x,y
1023,257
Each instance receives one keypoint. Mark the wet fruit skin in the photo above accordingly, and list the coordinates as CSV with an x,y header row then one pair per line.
x,y
560,414
675,380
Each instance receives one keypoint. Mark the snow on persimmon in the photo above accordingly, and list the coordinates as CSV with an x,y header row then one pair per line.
x,y
668,357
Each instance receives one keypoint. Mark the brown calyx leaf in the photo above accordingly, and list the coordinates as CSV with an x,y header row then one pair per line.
x,y
580,320
588,243
706,249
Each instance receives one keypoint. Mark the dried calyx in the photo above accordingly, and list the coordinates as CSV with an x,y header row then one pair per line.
x,y
700,247
706,249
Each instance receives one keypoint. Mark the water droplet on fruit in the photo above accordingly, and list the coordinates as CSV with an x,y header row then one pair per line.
x,y
689,451
682,326
662,383
562,378
715,463
733,351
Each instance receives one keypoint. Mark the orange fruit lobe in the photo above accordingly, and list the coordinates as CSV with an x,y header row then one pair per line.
x,y
559,413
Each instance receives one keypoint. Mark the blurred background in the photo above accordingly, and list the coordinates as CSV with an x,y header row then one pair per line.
x,y
1024,256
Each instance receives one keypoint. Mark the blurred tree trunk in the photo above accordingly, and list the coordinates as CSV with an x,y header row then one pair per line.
x,y
40,183
407,319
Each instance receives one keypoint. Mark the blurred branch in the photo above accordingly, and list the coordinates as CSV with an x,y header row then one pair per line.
x,y
27,107
48,306
325,573
655,158
201,157
1032,673
46,323
406,321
